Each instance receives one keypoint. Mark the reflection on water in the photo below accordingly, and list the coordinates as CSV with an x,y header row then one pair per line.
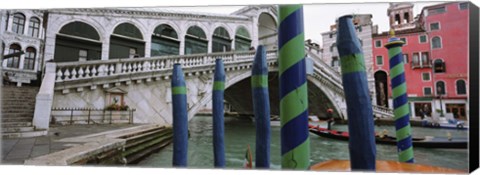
x,y
239,133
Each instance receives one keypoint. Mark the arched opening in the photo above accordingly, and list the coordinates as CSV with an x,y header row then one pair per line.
x,y
221,41
438,66
126,42
242,39
18,23
267,31
164,41
440,88
30,56
436,42
397,19
34,27
381,88
461,87
77,41
195,41
14,62
239,96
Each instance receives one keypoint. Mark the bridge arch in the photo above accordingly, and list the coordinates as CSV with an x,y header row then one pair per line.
x,y
318,93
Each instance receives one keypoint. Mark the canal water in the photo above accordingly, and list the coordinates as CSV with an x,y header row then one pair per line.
x,y
241,132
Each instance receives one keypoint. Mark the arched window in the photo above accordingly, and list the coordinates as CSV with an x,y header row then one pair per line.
x,y
77,41
436,42
29,61
34,27
164,41
397,19
461,87
195,41
242,39
14,62
333,47
221,41
126,42
18,23
440,85
438,66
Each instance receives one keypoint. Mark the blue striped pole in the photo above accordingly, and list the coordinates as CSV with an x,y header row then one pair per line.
x,y
180,118
295,143
218,115
400,102
359,107
261,108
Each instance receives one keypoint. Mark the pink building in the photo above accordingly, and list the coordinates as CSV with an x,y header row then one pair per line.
x,y
435,57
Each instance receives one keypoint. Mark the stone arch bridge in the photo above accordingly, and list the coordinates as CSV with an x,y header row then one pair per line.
x,y
144,84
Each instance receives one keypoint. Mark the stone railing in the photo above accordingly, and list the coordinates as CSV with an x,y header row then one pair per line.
x,y
72,71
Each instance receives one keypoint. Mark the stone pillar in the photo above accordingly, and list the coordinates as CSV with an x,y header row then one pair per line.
x,y
210,44
27,25
105,47
148,46
22,59
182,46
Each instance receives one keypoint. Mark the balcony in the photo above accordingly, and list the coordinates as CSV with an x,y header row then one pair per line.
x,y
421,65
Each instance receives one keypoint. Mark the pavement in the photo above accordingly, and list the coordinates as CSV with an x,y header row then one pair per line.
x,y
16,150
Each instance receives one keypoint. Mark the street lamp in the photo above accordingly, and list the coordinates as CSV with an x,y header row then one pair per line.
x,y
439,92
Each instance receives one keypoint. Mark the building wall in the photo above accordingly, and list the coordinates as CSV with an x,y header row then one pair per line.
x,y
454,38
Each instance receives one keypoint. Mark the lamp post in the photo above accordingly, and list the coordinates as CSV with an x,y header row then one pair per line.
x,y
439,92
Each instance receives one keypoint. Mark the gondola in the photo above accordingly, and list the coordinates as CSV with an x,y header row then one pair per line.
x,y
425,142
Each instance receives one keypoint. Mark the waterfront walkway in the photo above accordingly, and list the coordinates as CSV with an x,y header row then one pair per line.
x,y
16,150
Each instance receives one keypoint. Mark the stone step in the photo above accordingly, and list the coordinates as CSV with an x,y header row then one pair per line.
x,y
17,129
17,109
16,119
24,134
19,114
16,124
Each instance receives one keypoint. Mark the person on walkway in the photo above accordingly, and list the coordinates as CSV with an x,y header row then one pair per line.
x,y
329,118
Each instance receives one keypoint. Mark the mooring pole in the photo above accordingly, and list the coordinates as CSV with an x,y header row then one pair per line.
x,y
359,107
218,114
295,143
261,108
401,108
180,118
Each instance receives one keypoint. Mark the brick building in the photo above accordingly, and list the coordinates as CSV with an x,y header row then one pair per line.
x,y
435,58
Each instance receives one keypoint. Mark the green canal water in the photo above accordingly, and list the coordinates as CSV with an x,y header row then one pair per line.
x,y
239,133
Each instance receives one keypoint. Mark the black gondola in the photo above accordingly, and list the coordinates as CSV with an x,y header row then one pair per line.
x,y
426,142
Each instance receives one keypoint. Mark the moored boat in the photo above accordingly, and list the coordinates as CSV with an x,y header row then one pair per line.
x,y
385,166
426,142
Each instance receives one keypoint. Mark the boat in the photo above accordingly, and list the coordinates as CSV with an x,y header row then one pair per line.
x,y
445,123
425,142
384,166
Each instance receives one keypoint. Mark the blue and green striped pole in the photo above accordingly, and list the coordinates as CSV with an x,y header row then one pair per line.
x,y
295,143
218,114
359,107
401,109
180,118
261,108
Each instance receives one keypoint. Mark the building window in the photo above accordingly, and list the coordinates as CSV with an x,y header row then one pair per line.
x,y
29,61
437,10
404,40
34,27
426,76
397,19
438,66
333,47
461,87
463,5
18,23
415,60
335,62
133,53
427,91
14,62
440,88
436,42
425,59
434,26
378,43
331,35
405,58
423,38
379,60
406,17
